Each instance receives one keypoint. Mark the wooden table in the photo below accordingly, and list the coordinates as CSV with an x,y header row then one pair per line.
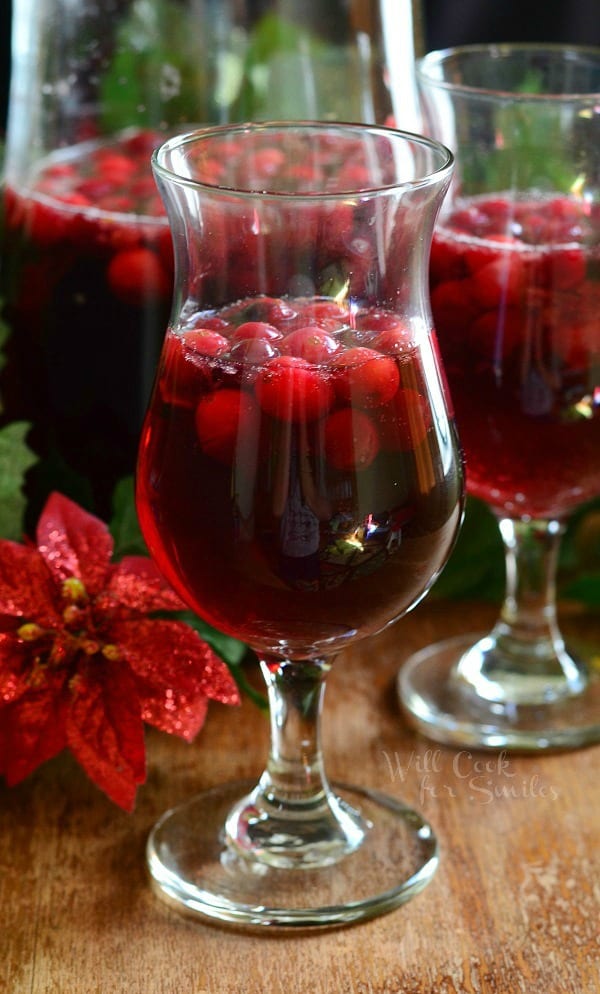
x,y
513,907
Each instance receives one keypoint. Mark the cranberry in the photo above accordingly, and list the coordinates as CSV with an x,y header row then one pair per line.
x,y
205,341
311,343
499,283
365,377
253,351
290,389
351,440
260,330
264,162
115,167
136,275
224,420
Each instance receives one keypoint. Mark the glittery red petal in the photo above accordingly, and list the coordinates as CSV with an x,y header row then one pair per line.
x,y
176,671
105,731
34,728
27,589
136,583
74,543
218,683
14,668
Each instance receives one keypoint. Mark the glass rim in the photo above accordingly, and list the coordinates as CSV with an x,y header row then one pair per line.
x,y
499,51
443,170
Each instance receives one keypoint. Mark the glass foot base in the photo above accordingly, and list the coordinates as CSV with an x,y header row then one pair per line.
x,y
195,872
436,706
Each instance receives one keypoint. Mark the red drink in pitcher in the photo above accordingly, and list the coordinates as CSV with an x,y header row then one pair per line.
x,y
86,285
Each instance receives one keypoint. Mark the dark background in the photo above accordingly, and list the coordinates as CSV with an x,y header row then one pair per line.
x,y
446,22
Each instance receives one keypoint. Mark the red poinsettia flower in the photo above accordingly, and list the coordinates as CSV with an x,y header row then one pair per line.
x,y
83,666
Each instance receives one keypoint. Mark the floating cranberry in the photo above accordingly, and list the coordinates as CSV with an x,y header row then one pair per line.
x,y
136,275
290,389
351,440
225,420
365,377
205,341
499,283
394,340
253,351
259,330
311,343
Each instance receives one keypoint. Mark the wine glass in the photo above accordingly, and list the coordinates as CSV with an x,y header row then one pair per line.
x,y
515,288
299,483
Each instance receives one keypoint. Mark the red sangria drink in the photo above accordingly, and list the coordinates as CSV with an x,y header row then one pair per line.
x,y
515,294
299,483
86,284
295,480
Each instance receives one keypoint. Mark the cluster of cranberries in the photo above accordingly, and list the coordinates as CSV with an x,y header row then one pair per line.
x,y
501,269
102,202
306,362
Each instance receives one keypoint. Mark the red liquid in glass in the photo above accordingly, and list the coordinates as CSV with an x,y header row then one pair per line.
x,y
297,481
516,303
86,285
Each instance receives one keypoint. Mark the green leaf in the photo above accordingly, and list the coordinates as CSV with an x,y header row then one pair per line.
x,y
158,74
585,589
15,459
124,525
476,567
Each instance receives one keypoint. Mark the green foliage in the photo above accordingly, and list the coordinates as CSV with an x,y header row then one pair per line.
x,y
274,48
476,567
15,459
170,68
528,151
159,69
124,525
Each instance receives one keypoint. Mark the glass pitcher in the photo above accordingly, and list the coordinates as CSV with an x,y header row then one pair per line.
x,y
87,270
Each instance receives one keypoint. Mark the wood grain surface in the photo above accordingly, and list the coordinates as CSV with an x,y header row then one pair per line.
x,y
513,908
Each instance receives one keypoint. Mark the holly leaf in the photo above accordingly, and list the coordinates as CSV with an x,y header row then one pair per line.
x,y
15,459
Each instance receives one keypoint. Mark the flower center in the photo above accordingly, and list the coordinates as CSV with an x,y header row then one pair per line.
x,y
78,633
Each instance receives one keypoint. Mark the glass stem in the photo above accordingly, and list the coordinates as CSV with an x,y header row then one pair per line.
x,y
524,660
292,817
295,776
528,614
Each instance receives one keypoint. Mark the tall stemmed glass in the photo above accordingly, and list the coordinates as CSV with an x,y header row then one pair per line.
x,y
515,277
299,483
